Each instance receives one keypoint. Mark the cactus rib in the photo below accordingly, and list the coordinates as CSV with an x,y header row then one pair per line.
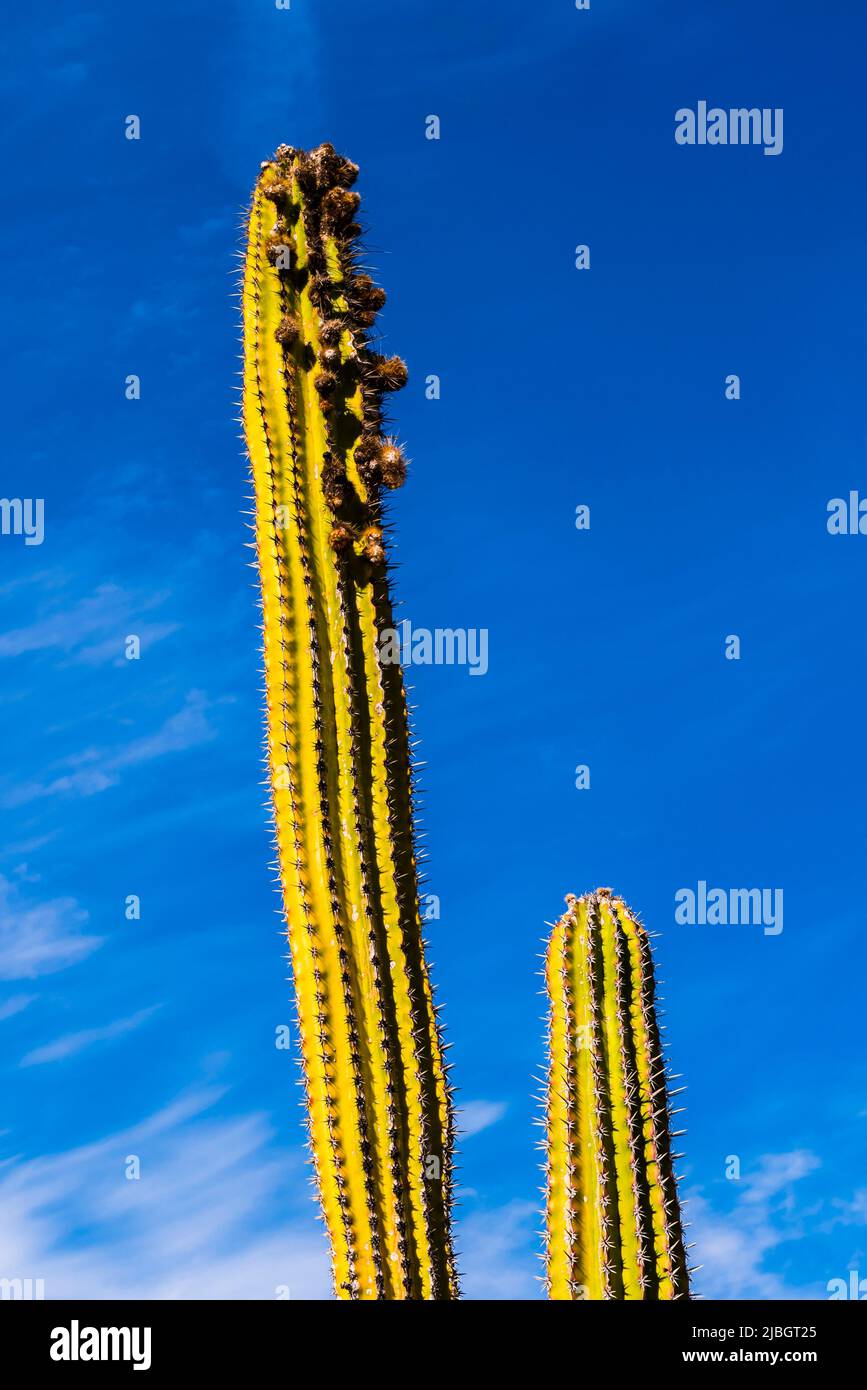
x,y
377,1092
613,1219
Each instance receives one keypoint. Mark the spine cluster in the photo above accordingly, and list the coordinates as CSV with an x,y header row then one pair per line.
x,y
613,1219
377,1092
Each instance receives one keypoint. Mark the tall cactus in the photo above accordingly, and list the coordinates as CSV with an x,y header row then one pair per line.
x,y
613,1220
379,1106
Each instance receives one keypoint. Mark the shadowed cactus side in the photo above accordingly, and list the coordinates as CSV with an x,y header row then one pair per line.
x,y
379,1107
612,1214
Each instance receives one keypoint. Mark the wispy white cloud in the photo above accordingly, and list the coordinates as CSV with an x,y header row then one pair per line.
x,y
87,782
198,1223
732,1247
775,1176
40,938
188,728
497,1250
95,770
849,1213
72,1043
16,1005
16,848
93,629
476,1115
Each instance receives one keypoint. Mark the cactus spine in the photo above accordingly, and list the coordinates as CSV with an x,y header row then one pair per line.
x,y
379,1107
613,1221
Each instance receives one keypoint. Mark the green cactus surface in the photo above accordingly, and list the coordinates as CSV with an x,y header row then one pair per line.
x,y
613,1223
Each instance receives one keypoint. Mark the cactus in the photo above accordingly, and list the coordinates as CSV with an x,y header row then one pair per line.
x,y
612,1215
378,1100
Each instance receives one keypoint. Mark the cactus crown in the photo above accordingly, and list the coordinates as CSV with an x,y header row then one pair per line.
x,y
613,1219
378,1100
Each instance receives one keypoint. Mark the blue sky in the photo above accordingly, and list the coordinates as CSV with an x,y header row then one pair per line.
x,y
560,387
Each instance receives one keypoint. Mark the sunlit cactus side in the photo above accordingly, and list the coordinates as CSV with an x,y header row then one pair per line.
x,y
377,1091
613,1223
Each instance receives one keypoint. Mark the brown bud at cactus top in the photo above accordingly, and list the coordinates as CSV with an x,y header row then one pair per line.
x,y
278,192
322,291
324,153
335,485
373,547
366,451
326,167
306,173
287,330
329,357
326,383
392,464
339,207
346,172
367,448
380,461
331,331
367,295
341,538
391,373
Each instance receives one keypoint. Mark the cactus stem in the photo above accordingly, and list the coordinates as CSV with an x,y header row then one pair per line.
x,y
375,1079
613,1221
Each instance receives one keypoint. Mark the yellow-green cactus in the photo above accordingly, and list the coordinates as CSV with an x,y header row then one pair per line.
x,y
379,1107
613,1219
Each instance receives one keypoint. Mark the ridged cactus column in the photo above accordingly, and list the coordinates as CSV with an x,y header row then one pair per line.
x,y
380,1115
613,1220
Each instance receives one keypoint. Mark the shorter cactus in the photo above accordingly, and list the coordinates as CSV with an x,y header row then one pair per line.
x,y
613,1219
